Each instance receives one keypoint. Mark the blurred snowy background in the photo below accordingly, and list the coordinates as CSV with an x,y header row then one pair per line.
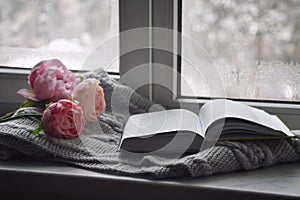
x,y
255,45
31,30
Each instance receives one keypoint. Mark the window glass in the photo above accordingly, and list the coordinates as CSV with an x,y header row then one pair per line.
x,y
32,30
254,44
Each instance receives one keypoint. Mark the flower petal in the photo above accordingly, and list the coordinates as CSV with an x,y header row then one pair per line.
x,y
27,94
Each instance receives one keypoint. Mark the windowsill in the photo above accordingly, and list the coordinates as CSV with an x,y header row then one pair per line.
x,y
44,180
49,180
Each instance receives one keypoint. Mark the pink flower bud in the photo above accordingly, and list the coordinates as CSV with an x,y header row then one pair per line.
x,y
50,79
63,119
91,98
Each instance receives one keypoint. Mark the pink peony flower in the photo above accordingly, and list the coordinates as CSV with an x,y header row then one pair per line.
x,y
90,96
63,119
51,80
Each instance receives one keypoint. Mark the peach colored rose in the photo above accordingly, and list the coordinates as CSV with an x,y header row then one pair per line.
x,y
90,96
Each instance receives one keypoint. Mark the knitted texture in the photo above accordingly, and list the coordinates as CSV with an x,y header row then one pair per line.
x,y
96,149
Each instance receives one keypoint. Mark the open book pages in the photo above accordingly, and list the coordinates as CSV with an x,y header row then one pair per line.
x,y
183,130
215,110
167,121
174,131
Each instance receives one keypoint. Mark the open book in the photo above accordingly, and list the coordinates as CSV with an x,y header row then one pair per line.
x,y
181,130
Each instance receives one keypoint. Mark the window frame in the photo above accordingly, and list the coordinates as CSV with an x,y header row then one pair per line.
x,y
163,14
147,13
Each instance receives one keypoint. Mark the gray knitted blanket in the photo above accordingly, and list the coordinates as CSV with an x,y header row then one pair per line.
x,y
96,149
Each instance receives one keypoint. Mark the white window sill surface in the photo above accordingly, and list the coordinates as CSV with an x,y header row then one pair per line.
x,y
49,180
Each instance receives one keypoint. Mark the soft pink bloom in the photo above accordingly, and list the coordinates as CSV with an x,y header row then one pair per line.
x,y
90,96
63,119
50,80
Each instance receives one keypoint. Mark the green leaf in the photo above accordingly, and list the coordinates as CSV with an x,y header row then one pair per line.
x,y
28,103
81,78
23,112
48,104
7,116
15,114
37,130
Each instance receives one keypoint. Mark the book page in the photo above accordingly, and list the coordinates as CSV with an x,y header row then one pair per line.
x,y
222,108
148,124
